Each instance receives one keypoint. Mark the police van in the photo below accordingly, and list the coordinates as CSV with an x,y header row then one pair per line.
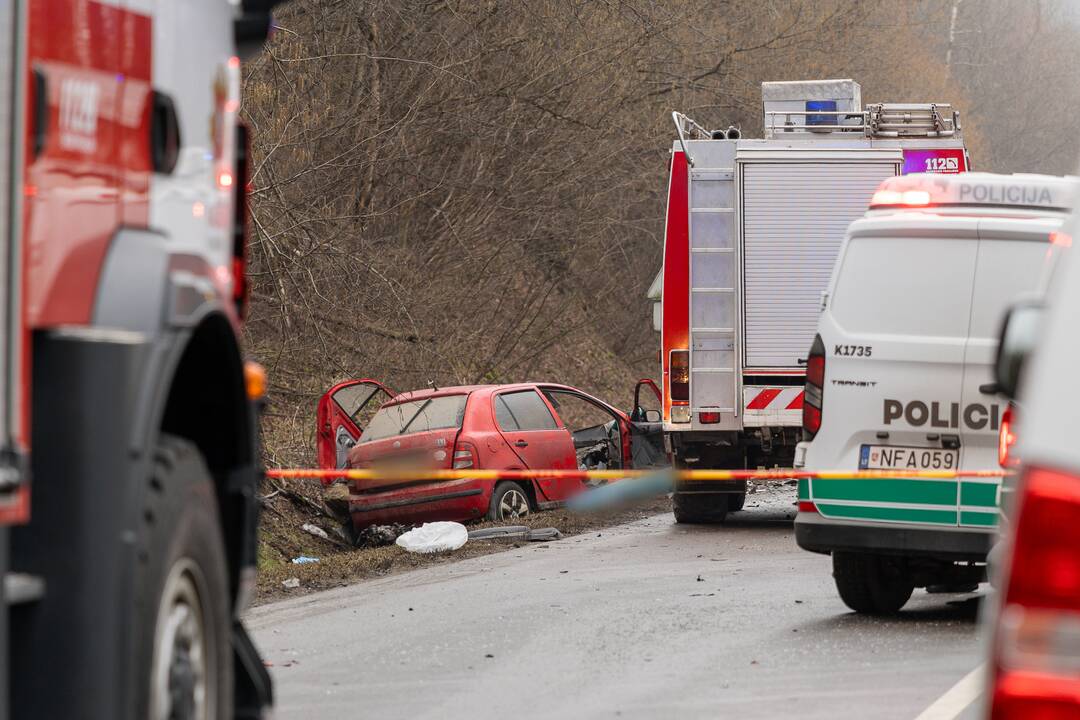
x,y
900,377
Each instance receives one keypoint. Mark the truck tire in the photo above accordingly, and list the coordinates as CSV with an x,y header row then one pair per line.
x,y
182,612
508,501
871,584
699,508
736,501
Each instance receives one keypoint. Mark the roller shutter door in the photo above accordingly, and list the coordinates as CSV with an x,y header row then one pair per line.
x,y
794,218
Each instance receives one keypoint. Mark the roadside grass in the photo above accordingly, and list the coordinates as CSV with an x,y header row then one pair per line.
x,y
281,539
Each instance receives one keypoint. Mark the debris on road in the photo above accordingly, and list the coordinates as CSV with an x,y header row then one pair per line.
x,y
380,535
292,582
375,553
434,537
304,560
516,532
314,530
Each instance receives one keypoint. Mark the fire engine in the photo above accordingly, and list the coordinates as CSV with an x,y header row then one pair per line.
x,y
752,229
128,456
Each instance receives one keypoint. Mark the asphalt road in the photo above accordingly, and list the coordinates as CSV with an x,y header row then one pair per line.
x,y
645,620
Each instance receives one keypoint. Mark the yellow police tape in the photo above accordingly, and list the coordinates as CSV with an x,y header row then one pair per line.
x,y
380,476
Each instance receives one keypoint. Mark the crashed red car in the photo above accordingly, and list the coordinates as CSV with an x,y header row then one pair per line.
x,y
522,426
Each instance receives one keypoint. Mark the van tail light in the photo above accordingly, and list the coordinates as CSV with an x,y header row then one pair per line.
x,y
708,418
464,455
241,220
1007,457
815,389
1037,643
680,376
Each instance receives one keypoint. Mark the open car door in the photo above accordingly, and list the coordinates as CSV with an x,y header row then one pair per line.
x,y
647,429
343,413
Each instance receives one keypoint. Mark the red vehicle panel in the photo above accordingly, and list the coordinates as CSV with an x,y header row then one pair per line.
x,y
88,165
488,427
340,418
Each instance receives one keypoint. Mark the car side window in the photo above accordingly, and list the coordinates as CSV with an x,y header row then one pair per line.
x,y
523,411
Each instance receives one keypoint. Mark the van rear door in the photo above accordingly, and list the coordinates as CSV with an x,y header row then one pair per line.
x,y
895,335
1011,256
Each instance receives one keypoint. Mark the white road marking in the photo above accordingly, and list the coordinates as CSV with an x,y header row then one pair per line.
x,y
957,698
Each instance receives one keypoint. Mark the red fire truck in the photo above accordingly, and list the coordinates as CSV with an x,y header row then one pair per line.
x,y
128,456
753,227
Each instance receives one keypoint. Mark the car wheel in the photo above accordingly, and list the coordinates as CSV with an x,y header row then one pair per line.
x,y
183,622
508,502
871,584
699,508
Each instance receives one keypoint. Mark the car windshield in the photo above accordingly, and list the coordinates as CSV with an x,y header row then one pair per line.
x,y
435,413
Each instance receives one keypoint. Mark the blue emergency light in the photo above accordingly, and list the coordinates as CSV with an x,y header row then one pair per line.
x,y
821,106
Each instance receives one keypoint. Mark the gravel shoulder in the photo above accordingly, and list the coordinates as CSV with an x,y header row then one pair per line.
x,y
289,508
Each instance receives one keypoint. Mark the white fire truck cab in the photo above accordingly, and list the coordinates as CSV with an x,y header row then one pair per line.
x,y
753,227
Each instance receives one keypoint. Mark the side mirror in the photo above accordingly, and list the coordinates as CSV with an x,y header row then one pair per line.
x,y
652,416
1019,336
253,26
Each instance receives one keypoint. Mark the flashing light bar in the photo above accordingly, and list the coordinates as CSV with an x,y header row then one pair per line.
x,y
927,190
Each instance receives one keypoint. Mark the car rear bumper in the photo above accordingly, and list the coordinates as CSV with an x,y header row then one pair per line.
x,y
822,535
455,500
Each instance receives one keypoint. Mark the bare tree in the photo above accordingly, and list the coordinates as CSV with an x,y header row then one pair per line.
x,y
466,191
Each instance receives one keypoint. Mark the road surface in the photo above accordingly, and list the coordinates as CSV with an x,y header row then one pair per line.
x,y
645,620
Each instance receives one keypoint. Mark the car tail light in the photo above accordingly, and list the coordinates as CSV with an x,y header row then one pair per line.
x,y
1007,439
709,418
680,376
464,455
1037,647
815,388
241,220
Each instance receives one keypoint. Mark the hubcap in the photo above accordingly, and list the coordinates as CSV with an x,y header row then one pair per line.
x,y
513,505
180,677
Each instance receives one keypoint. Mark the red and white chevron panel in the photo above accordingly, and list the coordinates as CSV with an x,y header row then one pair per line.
x,y
773,406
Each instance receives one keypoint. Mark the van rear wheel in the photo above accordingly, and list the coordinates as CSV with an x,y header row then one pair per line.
x,y
871,584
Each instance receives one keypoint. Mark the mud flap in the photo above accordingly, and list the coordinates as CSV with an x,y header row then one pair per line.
x,y
254,695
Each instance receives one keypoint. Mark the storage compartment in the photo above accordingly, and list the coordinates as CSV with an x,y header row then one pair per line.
x,y
794,217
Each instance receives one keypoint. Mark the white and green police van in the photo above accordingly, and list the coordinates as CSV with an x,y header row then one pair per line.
x,y
900,378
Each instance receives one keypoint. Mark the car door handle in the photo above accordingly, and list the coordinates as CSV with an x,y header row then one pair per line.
x,y
521,443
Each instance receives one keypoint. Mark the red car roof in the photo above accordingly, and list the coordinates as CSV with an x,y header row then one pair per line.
x,y
425,393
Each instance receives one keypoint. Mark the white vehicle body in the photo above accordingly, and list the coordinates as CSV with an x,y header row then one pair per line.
x,y
907,337
1033,618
